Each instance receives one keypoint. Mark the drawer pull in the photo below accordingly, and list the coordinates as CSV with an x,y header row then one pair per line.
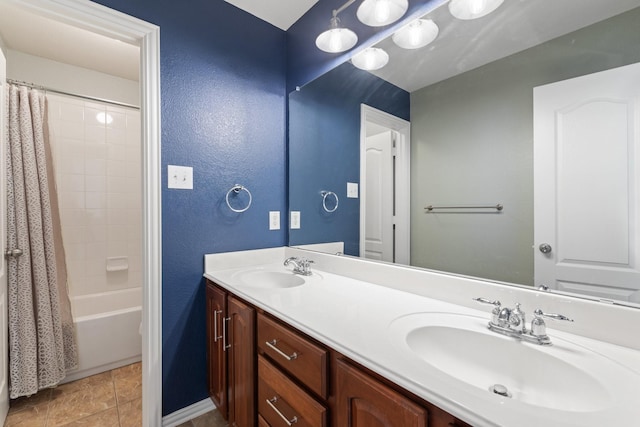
x,y
271,402
216,337
272,345
225,331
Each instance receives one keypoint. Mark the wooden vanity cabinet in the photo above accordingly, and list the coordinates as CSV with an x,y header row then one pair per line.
x,y
216,353
263,372
361,401
231,356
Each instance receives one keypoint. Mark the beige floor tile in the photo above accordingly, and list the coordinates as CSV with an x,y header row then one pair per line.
x,y
84,383
21,403
210,419
33,416
187,424
108,418
66,407
131,413
128,383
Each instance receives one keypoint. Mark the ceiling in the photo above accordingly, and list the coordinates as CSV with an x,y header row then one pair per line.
x,y
35,35
280,13
29,33
464,45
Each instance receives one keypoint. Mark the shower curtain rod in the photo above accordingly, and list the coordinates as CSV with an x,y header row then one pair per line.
x,y
90,98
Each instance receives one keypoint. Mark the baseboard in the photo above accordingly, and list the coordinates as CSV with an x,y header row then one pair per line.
x,y
185,414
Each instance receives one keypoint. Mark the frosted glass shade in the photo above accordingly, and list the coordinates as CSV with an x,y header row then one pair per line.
x,y
377,13
370,59
336,39
473,9
417,34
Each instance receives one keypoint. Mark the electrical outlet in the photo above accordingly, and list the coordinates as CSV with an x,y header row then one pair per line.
x,y
352,190
295,220
274,220
180,177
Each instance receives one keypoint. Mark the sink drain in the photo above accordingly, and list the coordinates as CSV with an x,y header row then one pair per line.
x,y
500,390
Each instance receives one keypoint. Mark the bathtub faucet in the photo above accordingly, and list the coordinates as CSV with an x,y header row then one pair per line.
x,y
300,265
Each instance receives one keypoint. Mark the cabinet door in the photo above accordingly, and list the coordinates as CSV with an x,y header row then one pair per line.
x,y
216,352
362,401
241,330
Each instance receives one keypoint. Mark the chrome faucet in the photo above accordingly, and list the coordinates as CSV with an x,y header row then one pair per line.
x,y
512,322
301,266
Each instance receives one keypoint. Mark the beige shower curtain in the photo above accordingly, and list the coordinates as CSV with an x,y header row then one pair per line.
x,y
41,333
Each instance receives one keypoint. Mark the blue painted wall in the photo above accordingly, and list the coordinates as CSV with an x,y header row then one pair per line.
x,y
223,76
324,150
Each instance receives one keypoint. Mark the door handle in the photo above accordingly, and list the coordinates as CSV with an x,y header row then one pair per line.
x,y
545,248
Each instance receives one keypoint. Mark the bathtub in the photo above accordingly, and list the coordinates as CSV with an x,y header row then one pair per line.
x,y
107,331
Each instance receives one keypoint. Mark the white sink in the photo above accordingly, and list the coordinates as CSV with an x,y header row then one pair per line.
x,y
563,377
267,279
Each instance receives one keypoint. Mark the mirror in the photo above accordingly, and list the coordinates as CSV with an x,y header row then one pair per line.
x,y
471,97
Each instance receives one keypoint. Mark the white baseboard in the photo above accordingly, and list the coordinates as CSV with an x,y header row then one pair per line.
x,y
185,414
76,375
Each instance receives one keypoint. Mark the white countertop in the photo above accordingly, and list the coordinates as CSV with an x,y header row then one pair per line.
x,y
355,317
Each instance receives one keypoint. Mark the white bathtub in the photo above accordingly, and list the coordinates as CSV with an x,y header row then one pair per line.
x,y
107,330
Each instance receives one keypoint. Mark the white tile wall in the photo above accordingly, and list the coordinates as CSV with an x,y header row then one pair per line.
x,y
99,180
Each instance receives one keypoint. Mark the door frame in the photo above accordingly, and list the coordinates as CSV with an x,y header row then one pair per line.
x,y
402,219
117,25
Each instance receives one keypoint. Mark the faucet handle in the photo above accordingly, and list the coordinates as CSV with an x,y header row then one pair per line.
x,y
539,313
487,301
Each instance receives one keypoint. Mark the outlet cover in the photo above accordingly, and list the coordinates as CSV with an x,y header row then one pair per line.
x,y
274,220
180,177
352,190
295,220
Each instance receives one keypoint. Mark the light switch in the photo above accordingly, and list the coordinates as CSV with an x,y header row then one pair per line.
x,y
274,220
352,190
295,220
180,177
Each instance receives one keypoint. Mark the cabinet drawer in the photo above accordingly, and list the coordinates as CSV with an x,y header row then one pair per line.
x,y
294,354
282,403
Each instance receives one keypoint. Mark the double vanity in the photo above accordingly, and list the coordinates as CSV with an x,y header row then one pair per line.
x,y
347,342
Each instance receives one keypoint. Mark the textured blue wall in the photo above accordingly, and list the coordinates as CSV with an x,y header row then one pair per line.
x,y
324,150
223,112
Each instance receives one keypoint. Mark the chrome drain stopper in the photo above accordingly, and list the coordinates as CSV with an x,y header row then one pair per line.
x,y
500,389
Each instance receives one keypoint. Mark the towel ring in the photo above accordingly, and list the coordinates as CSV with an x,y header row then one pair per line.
x,y
326,194
237,189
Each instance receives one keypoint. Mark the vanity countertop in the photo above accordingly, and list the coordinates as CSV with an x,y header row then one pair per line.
x,y
361,320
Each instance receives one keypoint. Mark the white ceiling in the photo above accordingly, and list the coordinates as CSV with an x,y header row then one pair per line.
x,y
464,45
280,13
29,33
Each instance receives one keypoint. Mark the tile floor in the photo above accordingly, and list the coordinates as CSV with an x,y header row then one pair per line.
x,y
109,399
210,419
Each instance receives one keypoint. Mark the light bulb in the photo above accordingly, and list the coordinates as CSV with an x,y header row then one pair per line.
x,y
417,34
476,7
370,59
382,11
336,39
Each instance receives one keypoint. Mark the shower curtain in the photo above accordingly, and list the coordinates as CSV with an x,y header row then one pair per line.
x,y
41,332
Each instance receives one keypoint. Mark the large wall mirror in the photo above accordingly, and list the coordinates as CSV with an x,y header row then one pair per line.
x,y
506,149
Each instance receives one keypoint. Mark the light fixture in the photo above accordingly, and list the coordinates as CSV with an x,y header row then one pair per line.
x,y
336,39
370,59
377,13
417,34
104,118
473,9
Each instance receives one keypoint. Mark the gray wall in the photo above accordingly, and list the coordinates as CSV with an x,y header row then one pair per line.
x,y
472,142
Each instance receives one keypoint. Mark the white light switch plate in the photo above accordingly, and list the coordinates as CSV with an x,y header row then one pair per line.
x,y
180,177
352,190
295,220
274,220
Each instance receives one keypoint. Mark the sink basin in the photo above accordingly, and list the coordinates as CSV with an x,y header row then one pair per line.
x,y
270,279
560,377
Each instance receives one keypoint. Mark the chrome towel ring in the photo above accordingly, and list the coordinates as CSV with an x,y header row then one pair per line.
x,y
237,189
326,194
